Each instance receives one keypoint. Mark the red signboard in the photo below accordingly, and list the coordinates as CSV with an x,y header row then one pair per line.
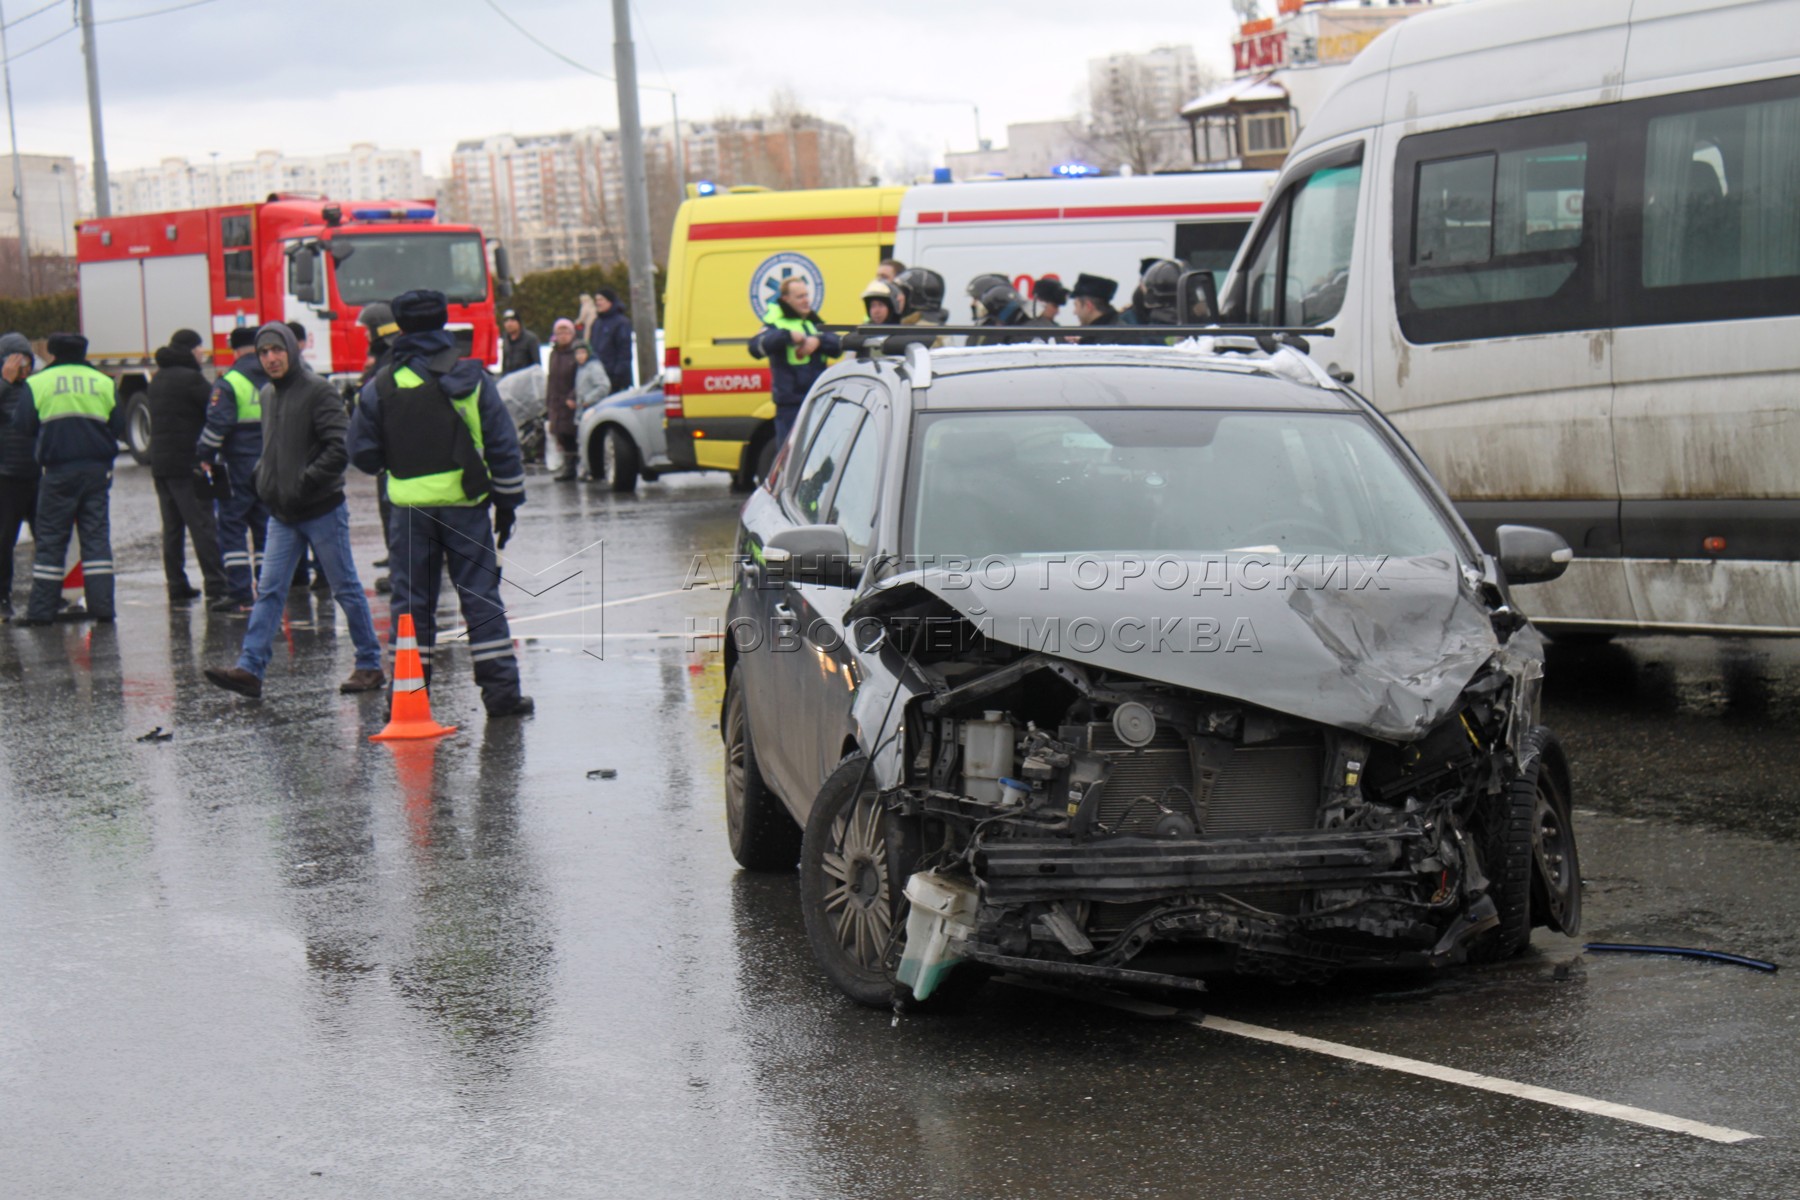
x,y
1262,53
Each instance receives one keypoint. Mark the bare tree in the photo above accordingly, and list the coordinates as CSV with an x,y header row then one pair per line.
x,y
1131,123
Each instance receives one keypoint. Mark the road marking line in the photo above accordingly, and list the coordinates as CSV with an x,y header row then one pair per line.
x,y
1485,1083
564,612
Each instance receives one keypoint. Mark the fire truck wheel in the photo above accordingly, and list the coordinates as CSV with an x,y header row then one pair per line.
x,y
137,425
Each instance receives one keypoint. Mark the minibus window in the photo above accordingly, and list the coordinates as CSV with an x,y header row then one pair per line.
x,y
1719,188
1321,232
1210,245
1261,298
1456,212
1300,268
1512,221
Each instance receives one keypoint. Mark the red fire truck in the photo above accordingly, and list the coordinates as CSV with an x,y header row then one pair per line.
x,y
291,258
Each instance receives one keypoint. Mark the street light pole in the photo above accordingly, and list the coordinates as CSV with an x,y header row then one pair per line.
x,y
62,212
18,187
637,197
102,185
680,158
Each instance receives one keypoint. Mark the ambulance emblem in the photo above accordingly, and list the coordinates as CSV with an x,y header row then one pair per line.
x,y
766,280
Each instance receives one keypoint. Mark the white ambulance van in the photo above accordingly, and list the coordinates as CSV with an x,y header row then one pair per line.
x,y
1029,229
1559,246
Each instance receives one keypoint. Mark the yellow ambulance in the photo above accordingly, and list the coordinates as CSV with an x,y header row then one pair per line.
x,y
728,257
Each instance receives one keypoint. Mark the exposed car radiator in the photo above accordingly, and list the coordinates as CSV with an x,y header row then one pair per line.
x,y
1267,789
1137,779
1272,788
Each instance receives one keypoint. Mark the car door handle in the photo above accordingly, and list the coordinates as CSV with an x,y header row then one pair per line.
x,y
1338,373
784,614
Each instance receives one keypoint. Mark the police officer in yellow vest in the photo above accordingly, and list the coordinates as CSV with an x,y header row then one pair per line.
x,y
233,435
77,426
435,423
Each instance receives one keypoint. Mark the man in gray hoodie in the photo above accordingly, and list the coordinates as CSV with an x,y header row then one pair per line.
x,y
300,479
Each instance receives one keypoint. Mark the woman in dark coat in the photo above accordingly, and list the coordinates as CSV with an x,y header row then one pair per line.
x,y
559,395
610,338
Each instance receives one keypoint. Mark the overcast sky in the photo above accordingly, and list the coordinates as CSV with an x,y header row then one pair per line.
x,y
310,76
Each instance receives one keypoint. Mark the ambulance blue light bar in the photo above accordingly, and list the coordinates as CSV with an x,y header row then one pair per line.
x,y
1074,170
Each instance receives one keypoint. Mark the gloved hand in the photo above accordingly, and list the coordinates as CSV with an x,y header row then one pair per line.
x,y
505,515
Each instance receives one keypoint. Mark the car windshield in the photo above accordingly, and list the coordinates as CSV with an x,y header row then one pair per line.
x,y
379,266
1180,482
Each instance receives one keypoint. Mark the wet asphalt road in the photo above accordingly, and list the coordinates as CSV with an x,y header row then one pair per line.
x,y
268,958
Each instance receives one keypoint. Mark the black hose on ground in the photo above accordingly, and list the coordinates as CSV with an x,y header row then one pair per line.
x,y
1736,960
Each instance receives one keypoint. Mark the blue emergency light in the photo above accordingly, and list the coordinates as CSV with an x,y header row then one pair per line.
x,y
706,187
1074,170
393,214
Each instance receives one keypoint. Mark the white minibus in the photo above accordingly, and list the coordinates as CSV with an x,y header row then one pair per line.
x,y
1558,244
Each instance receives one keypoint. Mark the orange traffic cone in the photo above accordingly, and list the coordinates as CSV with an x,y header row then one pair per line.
x,y
411,717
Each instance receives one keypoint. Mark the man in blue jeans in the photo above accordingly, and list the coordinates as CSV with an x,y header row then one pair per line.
x,y
300,479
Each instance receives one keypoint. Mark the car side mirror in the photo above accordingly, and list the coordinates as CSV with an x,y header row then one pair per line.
x,y
813,554
1199,304
1531,555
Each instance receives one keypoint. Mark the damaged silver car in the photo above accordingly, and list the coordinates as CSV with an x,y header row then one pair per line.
x,y
1133,665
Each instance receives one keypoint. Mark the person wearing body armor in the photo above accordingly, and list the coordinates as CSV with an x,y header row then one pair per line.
x,y
884,302
980,286
436,425
924,290
1155,299
77,425
300,479
796,345
232,441
999,308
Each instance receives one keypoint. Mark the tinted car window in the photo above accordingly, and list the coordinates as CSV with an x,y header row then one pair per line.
x,y
825,460
853,504
1162,481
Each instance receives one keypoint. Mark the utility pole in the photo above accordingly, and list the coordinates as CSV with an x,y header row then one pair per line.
x,y
102,185
18,187
637,196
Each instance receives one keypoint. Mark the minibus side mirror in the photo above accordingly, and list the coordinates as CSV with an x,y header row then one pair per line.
x,y
1199,304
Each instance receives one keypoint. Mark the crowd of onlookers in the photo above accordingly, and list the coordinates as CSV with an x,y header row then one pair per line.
x,y
590,357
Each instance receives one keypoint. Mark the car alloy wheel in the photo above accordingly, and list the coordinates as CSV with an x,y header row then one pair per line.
x,y
854,862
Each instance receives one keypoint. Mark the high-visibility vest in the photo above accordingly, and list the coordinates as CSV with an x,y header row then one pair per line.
x,y
440,483
249,397
72,390
774,315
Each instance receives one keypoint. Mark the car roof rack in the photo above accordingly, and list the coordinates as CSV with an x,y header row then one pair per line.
x,y
1269,340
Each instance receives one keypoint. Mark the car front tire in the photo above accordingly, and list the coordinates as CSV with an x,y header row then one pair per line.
x,y
854,862
1533,807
